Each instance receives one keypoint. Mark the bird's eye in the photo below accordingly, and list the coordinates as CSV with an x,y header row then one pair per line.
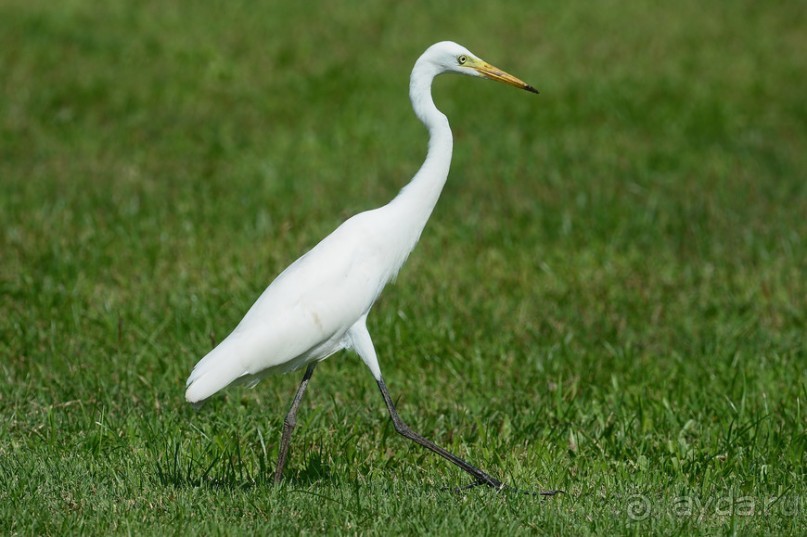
x,y
462,59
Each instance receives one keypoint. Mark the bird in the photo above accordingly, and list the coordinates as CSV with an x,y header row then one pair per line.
x,y
320,303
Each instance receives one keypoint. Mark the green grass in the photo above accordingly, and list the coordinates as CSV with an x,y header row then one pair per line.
x,y
609,299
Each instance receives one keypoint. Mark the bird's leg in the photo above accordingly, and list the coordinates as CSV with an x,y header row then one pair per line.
x,y
481,477
290,422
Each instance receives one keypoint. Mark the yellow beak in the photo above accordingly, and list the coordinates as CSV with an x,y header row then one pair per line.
x,y
494,73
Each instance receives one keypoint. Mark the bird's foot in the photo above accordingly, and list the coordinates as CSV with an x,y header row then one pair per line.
x,y
506,488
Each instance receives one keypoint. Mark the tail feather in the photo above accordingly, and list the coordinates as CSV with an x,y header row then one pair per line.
x,y
214,372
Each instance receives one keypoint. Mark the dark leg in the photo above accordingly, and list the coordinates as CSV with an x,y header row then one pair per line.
x,y
290,422
481,477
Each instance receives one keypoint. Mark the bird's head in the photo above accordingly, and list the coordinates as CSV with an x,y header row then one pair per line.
x,y
449,57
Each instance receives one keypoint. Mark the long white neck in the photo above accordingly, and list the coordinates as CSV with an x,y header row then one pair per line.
x,y
417,199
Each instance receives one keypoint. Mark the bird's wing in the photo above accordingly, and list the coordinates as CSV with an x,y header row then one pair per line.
x,y
308,307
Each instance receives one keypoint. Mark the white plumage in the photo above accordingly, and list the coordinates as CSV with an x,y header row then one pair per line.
x,y
309,312
319,304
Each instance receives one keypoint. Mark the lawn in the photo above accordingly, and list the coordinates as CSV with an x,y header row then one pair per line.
x,y
610,297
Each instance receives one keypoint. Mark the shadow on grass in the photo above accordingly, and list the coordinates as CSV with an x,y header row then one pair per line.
x,y
227,468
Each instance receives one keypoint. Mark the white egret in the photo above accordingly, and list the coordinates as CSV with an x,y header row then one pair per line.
x,y
319,304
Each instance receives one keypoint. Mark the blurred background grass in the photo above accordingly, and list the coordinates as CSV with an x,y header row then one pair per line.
x,y
609,299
